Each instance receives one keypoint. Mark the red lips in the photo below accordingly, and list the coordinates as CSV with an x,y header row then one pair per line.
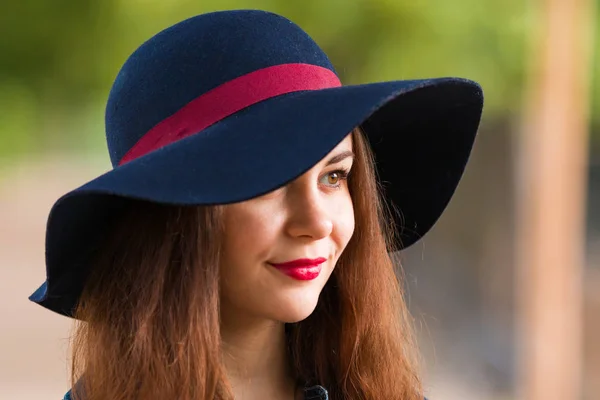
x,y
303,269
302,262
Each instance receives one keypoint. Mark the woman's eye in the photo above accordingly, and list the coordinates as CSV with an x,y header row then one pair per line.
x,y
334,178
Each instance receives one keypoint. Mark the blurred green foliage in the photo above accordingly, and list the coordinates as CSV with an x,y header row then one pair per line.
x,y
59,57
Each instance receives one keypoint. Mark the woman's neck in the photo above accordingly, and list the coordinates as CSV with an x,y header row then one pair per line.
x,y
256,359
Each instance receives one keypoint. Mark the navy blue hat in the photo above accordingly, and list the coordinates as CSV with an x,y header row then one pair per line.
x,y
226,106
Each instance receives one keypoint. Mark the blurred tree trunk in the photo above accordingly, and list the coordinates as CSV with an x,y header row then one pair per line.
x,y
551,204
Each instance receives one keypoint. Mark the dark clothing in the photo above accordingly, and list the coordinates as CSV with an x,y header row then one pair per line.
x,y
310,393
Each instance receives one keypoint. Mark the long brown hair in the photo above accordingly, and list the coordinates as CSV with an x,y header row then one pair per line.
x,y
151,310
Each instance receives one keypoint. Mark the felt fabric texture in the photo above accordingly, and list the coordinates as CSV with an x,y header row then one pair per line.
x,y
230,97
192,57
421,132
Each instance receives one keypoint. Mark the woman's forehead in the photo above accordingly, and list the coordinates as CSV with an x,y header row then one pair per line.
x,y
344,145
342,152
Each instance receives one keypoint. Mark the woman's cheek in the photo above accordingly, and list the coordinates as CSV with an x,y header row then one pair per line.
x,y
344,221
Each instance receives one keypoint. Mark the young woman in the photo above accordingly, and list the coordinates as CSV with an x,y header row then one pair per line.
x,y
239,248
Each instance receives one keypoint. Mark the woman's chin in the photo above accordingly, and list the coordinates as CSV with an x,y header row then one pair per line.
x,y
296,308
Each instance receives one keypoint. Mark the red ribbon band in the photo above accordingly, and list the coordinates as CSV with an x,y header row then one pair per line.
x,y
229,98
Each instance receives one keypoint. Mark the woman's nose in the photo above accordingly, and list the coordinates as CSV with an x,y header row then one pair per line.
x,y
309,216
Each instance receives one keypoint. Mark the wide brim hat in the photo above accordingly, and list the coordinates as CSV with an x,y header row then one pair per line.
x,y
226,106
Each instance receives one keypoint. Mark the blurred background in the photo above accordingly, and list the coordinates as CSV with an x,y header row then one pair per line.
x,y
505,290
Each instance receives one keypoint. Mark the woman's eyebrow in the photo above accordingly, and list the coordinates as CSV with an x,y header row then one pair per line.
x,y
342,156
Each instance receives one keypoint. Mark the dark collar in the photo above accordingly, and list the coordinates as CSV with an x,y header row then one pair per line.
x,y
316,392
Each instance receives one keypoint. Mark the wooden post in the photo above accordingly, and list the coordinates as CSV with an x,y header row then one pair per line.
x,y
551,203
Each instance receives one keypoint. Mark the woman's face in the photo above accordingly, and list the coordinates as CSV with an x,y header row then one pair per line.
x,y
305,225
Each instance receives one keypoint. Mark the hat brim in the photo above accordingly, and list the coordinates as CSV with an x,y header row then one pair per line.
x,y
421,133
